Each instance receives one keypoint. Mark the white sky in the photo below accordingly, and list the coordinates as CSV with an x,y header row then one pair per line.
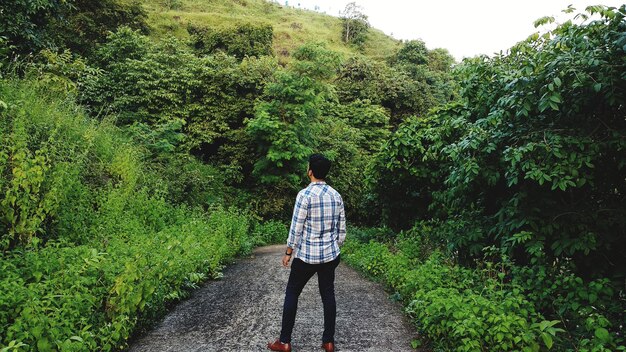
x,y
465,27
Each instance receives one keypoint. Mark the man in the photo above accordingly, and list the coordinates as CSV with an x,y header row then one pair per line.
x,y
318,229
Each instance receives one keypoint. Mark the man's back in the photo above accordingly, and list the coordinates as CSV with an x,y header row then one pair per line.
x,y
318,225
318,228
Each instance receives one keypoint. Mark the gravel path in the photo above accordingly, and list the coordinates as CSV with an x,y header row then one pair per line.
x,y
242,312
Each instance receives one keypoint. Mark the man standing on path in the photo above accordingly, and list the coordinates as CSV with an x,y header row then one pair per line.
x,y
318,229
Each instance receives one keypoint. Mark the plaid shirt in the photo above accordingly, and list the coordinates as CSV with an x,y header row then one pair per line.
x,y
318,226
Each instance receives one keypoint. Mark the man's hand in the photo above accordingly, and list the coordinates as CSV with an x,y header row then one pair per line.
x,y
286,259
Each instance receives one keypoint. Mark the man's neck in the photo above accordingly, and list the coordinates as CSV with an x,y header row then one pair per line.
x,y
313,179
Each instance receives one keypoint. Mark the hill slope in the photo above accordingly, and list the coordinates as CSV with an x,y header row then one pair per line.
x,y
292,27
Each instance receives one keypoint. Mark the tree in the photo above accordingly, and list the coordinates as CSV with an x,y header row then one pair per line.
x,y
440,59
413,52
87,23
23,23
534,148
164,89
287,124
286,120
361,78
355,24
79,25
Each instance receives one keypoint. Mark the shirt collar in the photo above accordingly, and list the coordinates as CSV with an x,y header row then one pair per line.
x,y
317,183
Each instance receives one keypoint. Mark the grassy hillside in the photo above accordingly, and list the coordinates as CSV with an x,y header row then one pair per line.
x,y
292,27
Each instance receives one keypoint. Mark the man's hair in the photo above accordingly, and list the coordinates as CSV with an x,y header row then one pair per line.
x,y
319,165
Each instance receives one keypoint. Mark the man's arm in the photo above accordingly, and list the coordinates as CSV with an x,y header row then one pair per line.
x,y
342,225
297,221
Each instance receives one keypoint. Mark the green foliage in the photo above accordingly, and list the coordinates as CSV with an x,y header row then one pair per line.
x,y
413,52
449,301
123,44
94,297
527,165
349,135
362,79
519,184
532,149
5,50
458,309
440,59
60,71
286,119
354,25
282,126
33,183
89,22
173,4
298,114
355,31
429,67
370,120
372,258
159,139
557,149
185,180
27,198
79,25
402,87
367,234
412,167
292,27
176,101
23,23
589,310
242,40
269,232
107,252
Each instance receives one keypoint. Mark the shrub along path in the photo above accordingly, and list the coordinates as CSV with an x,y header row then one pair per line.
x,y
242,312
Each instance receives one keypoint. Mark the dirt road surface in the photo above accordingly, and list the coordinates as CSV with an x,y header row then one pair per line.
x,y
242,312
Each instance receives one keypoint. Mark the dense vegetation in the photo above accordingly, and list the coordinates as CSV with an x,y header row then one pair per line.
x,y
134,164
92,244
523,180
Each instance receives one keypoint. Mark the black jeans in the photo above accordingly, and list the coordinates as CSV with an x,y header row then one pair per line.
x,y
300,274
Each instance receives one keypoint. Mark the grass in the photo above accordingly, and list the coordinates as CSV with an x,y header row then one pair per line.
x,y
292,27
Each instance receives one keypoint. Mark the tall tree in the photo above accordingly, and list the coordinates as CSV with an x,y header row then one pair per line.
x,y
355,24
287,118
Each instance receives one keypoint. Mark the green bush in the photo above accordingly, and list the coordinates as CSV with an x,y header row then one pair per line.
x,y
89,22
372,258
391,87
183,179
589,310
492,306
366,234
241,40
457,308
91,250
94,297
269,232
24,23
78,25
175,102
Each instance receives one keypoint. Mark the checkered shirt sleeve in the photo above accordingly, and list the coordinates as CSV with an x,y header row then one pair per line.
x,y
300,211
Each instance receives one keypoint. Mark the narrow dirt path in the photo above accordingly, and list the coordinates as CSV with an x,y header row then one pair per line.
x,y
242,312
